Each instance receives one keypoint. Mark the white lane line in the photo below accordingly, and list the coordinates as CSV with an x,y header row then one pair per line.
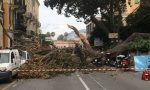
x,y
14,85
81,80
97,82
9,85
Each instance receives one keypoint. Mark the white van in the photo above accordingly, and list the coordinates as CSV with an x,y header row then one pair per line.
x,y
24,56
9,63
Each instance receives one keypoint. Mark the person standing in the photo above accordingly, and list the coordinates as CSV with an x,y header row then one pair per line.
x,y
79,53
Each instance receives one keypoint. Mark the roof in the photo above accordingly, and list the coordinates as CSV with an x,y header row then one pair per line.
x,y
121,56
6,50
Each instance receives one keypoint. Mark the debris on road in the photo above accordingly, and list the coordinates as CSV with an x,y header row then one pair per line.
x,y
52,58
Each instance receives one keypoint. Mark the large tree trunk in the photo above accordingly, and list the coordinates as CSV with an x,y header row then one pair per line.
x,y
146,3
124,45
83,39
100,24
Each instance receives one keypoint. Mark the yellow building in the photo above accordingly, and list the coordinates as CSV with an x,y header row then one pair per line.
x,y
20,19
132,6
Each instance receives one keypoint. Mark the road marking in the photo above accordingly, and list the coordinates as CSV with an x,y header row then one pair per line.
x,y
81,80
14,85
97,82
8,86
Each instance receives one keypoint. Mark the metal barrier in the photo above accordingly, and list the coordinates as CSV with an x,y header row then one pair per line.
x,y
73,70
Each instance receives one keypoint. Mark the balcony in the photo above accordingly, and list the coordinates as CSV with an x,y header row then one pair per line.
x,y
20,27
21,9
28,15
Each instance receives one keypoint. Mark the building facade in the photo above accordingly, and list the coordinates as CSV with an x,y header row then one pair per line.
x,y
32,15
132,6
19,19
27,17
64,44
90,27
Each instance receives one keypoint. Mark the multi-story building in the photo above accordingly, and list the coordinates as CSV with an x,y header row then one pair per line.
x,y
27,17
64,44
19,20
90,27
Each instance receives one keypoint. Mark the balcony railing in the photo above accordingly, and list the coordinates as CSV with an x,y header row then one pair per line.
x,y
19,27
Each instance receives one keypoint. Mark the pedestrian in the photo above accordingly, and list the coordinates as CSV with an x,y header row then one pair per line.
x,y
78,52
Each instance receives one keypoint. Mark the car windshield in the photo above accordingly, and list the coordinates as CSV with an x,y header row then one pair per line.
x,y
4,57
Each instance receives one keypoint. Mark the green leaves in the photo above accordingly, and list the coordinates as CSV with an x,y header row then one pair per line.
x,y
83,8
140,44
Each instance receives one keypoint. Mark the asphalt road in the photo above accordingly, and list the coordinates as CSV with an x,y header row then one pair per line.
x,y
80,81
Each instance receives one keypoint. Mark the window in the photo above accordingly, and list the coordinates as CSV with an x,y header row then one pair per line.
x,y
28,57
4,57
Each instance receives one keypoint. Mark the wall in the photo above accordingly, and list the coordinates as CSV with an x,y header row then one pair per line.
x,y
63,44
33,8
131,6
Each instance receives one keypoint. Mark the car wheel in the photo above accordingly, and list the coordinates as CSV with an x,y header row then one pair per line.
x,y
10,78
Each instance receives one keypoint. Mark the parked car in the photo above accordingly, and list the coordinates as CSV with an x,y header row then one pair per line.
x,y
121,61
146,74
110,59
9,63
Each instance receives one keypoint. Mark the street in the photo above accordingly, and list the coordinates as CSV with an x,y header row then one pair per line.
x,y
80,81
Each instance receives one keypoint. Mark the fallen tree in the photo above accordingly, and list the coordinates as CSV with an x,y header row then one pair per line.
x,y
54,59
125,44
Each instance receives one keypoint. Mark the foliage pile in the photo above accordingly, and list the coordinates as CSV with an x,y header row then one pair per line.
x,y
54,59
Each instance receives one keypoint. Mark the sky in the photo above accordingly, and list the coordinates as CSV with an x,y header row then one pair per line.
x,y
52,22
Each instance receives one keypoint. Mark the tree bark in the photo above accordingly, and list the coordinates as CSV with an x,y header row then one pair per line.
x,y
124,45
100,24
87,45
146,3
